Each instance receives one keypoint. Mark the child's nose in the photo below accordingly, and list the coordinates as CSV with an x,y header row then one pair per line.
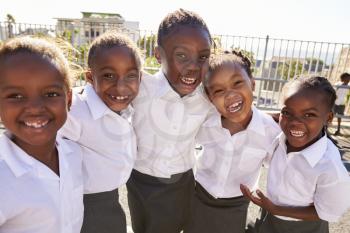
x,y
194,64
232,94
121,83
35,105
295,120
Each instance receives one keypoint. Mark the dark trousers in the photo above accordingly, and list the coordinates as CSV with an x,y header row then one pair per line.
x,y
160,205
217,215
271,224
103,213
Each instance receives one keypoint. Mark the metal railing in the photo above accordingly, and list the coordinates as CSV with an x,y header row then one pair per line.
x,y
275,60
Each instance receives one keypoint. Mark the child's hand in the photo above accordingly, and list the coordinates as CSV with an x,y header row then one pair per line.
x,y
260,200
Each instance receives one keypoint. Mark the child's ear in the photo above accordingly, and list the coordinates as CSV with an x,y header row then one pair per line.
x,y
88,77
330,117
157,54
252,81
69,99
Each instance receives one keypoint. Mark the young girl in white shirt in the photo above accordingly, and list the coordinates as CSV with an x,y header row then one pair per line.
x,y
235,140
100,120
169,111
308,185
41,181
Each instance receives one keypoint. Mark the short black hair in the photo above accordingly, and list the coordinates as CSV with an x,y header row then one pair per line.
x,y
343,76
178,18
112,39
316,83
42,48
235,57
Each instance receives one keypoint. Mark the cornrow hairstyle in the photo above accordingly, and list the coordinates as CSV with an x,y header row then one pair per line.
x,y
178,18
113,39
226,57
40,47
316,83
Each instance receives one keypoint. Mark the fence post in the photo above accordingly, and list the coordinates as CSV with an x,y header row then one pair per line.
x,y
262,70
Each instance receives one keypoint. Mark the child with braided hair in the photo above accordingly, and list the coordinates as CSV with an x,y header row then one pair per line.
x,y
307,184
235,140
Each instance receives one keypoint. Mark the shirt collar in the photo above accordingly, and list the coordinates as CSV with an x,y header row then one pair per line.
x,y
256,124
18,160
127,113
97,108
313,153
167,91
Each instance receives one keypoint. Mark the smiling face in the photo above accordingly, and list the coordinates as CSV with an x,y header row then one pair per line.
x,y
115,77
230,89
33,100
184,57
303,116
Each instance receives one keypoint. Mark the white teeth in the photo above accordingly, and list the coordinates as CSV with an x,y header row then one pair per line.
x,y
235,107
120,97
297,133
188,81
36,124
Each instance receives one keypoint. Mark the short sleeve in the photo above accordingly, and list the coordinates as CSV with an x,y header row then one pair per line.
x,y
332,200
71,129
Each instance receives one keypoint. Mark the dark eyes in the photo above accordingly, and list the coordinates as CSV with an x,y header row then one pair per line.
x,y
108,76
218,92
238,82
204,57
15,96
132,76
184,57
52,94
285,113
309,115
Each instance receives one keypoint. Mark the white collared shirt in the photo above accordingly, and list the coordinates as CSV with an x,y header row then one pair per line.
x,y
166,125
93,125
33,199
313,175
341,94
228,161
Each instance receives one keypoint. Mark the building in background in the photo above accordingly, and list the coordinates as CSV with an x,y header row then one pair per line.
x,y
93,24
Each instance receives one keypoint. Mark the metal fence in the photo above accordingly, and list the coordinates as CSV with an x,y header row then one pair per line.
x,y
275,60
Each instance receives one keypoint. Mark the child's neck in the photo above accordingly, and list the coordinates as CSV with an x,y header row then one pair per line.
x,y
46,154
235,127
290,148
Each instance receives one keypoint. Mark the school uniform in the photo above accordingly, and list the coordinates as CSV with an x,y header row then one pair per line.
x,y
92,124
162,183
339,105
314,175
226,162
34,199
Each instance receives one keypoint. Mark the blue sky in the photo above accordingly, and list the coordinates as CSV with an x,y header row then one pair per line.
x,y
320,20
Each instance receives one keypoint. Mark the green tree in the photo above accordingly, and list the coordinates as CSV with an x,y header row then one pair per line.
x,y
147,47
294,67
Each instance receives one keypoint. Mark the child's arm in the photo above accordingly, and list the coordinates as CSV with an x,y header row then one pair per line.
x,y
303,213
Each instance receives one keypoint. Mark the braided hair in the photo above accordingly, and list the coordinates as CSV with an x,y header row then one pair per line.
x,y
316,83
178,18
236,57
